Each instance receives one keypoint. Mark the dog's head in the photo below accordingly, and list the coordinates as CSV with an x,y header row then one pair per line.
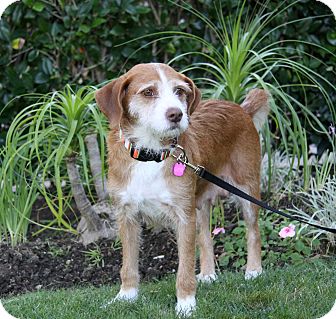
x,y
153,99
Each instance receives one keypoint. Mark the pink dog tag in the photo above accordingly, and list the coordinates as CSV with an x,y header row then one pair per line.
x,y
178,169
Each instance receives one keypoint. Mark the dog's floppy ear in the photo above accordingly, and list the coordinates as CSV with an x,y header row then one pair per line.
x,y
109,99
194,97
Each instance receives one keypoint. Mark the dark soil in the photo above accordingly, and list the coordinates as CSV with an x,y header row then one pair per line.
x,y
57,260
61,261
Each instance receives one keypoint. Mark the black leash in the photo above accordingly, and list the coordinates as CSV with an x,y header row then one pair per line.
x,y
203,173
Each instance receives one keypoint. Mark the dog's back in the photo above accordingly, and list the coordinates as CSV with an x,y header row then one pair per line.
x,y
224,137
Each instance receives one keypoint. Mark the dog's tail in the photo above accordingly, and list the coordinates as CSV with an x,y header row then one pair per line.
x,y
256,104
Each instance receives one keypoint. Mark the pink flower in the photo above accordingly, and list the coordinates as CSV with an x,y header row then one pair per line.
x,y
218,230
288,231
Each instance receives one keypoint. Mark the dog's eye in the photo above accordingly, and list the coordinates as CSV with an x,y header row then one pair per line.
x,y
148,92
180,91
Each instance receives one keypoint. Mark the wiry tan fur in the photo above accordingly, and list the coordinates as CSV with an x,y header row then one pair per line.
x,y
222,137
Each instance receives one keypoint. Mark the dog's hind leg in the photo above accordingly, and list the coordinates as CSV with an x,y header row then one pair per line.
x,y
250,212
207,264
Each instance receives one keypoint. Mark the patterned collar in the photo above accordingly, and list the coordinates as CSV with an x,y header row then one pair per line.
x,y
144,154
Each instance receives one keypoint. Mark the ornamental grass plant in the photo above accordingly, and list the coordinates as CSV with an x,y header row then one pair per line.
x,y
18,192
46,143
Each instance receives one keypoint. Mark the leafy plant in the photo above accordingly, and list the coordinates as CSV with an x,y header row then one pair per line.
x,y
275,251
54,134
49,44
319,205
18,192
55,250
116,244
95,257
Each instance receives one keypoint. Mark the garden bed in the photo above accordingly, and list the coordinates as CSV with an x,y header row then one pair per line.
x,y
56,259
61,261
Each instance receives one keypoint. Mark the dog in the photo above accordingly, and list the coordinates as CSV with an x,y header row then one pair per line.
x,y
151,109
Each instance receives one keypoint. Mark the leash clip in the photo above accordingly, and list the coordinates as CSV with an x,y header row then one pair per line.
x,y
183,158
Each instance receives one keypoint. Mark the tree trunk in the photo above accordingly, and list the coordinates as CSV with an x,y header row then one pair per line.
x,y
91,227
96,166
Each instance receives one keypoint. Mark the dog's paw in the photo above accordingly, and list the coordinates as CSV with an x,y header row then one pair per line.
x,y
206,278
252,274
129,295
185,306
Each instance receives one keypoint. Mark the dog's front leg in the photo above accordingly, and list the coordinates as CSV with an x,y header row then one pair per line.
x,y
186,280
129,231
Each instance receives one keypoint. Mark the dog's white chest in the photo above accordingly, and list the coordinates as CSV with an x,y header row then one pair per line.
x,y
147,188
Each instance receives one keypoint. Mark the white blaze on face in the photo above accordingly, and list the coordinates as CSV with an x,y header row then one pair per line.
x,y
152,121
169,99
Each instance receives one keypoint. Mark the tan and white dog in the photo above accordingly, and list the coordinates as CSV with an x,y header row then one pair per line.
x,y
150,109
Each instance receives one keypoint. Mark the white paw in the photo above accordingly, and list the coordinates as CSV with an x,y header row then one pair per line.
x,y
124,295
252,274
206,278
185,306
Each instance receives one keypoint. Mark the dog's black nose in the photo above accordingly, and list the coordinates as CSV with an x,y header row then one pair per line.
x,y
174,114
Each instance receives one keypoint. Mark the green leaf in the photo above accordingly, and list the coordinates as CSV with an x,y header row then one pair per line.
x,y
17,15
4,34
238,230
84,28
28,3
228,246
238,263
296,257
47,66
224,260
4,59
331,37
41,78
32,55
142,10
85,8
299,245
55,29
117,30
97,22
38,6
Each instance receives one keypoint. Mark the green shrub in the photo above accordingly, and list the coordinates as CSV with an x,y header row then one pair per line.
x,y
48,44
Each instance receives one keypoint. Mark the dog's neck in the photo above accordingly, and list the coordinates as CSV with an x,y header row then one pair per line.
x,y
142,138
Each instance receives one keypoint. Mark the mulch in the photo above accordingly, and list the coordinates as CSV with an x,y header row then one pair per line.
x,y
56,259
60,261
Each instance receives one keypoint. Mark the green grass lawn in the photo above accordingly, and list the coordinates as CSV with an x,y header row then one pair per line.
x,y
306,291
